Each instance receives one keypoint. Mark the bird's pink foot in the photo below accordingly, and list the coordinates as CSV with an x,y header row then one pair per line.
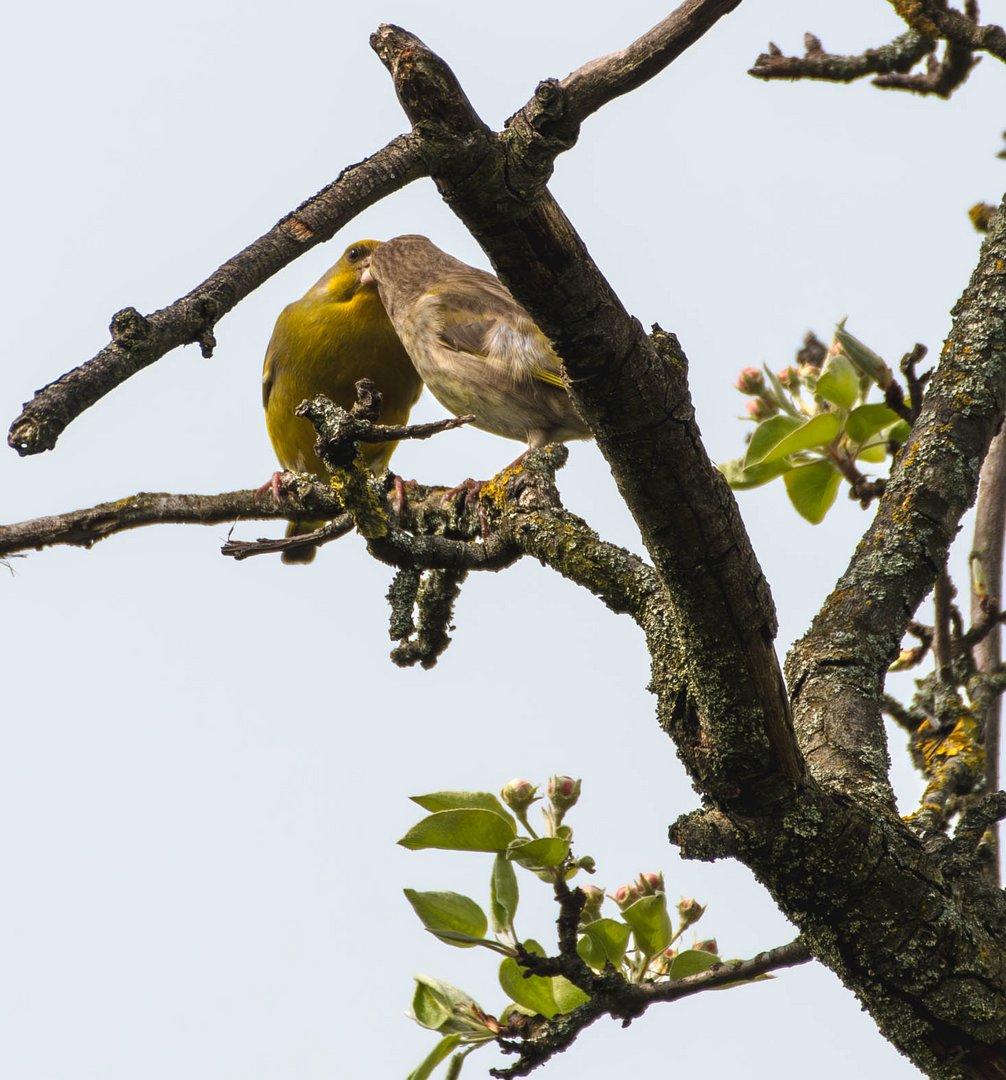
x,y
401,487
275,484
471,488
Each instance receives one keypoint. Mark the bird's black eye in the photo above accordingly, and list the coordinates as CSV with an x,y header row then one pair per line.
x,y
354,254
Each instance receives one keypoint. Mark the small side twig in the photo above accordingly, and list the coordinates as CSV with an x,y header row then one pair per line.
x,y
916,382
899,55
245,549
907,718
861,488
941,77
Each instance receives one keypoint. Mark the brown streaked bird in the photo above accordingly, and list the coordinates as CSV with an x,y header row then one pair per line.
x,y
473,345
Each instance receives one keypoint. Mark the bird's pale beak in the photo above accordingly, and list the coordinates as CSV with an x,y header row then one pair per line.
x,y
366,278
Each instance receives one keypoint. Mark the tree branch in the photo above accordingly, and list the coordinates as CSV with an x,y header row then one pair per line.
x,y
624,1001
937,19
836,671
930,21
632,391
899,55
138,341
84,528
596,83
986,598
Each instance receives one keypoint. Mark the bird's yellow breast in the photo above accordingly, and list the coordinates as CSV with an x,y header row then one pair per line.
x,y
322,344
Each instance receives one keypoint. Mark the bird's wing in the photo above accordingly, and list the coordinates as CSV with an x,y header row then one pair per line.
x,y
279,334
267,379
487,322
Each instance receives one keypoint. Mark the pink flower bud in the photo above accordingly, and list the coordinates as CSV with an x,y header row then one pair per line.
x,y
650,883
625,895
563,792
519,794
750,381
690,911
709,946
760,409
790,378
592,904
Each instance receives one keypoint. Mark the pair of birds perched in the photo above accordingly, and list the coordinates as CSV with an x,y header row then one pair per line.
x,y
404,313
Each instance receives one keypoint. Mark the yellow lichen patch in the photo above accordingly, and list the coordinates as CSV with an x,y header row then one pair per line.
x,y
937,747
352,487
494,490
915,15
951,759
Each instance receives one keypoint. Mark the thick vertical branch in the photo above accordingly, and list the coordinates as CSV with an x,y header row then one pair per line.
x,y
632,390
986,596
837,670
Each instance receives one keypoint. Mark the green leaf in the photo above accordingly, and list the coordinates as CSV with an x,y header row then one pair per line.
x,y
691,962
650,922
812,489
900,432
873,454
568,996
741,478
434,1002
548,851
782,396
604,941
462,800
456,937
767,435
449,911
461,830
441,1051
839,382
818,431
503,894
865,359
533,992
866,420
541,994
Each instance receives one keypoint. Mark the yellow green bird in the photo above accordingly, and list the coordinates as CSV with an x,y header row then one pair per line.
x,y
336,334
474,346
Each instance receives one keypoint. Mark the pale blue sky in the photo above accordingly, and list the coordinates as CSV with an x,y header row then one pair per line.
x,y
199,808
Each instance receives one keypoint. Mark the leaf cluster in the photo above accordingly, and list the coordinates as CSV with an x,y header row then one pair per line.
x,y
637,946
816,425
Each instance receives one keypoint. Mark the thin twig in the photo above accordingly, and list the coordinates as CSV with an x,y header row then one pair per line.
x,y
916,382
907,718
624,1001
332,530
899,55
943,594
